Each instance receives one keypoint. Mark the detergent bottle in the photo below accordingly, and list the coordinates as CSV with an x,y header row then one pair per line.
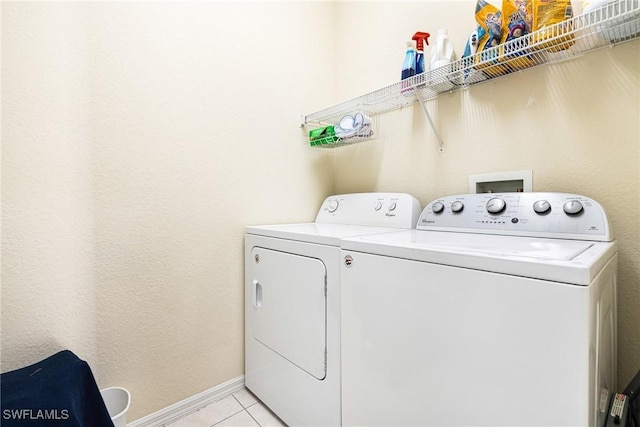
x,y
442,51
420,38
590,5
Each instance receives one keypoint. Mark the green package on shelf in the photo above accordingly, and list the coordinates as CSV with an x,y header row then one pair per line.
x,y
321,136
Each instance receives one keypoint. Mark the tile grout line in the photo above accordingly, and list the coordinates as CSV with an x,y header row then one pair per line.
x,y
245,409
232,415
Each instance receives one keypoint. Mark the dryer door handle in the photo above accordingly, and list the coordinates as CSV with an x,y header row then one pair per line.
x,y
258,294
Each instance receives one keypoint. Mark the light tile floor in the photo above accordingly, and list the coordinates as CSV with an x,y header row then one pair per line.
x,y
241,409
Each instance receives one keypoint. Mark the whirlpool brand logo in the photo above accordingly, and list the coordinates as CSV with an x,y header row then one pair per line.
x,y
35,414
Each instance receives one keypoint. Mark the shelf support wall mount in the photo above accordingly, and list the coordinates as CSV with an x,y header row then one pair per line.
x,y
423,103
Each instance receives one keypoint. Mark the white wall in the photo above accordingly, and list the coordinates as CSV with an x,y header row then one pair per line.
x,y
138,139
575,124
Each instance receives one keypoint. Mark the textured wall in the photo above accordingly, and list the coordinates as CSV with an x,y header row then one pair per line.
x,y
138,139
575,124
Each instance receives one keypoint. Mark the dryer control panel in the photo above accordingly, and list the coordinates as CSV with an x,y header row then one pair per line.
x,y
371,209
554,215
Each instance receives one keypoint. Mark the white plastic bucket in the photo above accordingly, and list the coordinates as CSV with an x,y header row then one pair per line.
x,y
117,400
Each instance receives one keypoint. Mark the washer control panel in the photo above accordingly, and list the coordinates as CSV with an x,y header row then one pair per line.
x,y
373,209
559,215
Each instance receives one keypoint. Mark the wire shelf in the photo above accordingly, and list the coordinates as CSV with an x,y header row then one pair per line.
x,y
614,23
358,126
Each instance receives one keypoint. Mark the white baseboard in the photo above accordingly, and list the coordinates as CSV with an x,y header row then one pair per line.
x,y
180,409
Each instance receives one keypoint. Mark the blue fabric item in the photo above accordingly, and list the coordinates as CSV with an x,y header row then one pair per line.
x,y
58,391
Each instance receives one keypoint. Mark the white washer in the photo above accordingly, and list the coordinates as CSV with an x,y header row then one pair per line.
x,y
498,310
292,303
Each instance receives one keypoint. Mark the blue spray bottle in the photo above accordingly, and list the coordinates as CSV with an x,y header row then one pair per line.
x,y
409,64
420,38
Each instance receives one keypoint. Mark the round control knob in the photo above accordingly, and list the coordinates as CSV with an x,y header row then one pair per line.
x,y
437,207
496,205
332,206
542,207
378,206
572,207
457,206
392,206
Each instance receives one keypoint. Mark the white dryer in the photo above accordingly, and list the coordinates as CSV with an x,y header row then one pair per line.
x,y
498,310
292,303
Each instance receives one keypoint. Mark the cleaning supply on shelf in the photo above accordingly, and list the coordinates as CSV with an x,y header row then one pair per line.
x,y
470,75
420,38
409,64
489,20
322,136
440,62
352,126
442,51
591,5
517,22
471,48
551,21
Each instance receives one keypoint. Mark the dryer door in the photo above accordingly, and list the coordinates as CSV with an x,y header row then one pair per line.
x,y
289,307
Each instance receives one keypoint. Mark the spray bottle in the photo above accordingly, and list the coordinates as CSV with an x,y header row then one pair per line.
x,y
472,44
409,64
420,39
468,58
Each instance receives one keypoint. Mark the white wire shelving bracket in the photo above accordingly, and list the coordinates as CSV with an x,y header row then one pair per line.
x,y
614,23
423,102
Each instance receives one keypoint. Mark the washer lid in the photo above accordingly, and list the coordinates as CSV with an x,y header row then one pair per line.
x,y
543,249
319,233
568,261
